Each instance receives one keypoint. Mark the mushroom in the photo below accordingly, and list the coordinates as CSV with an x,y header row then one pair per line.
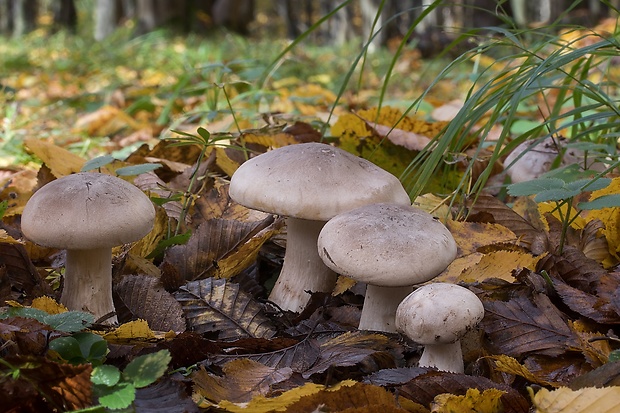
x,y
437,316
87,214
390,248
309,183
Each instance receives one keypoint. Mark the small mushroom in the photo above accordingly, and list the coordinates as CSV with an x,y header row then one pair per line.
x,y
87,214
390,248
437,316
309,183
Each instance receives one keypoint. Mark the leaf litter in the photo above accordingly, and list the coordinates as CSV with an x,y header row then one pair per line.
x,y
550,322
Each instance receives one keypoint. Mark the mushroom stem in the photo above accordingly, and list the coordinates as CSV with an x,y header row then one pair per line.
x,y
380,304
303,270
88,282
445,357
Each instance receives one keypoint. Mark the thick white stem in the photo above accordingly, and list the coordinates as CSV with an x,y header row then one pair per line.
x,y
303,270
380,305
445,357
88,282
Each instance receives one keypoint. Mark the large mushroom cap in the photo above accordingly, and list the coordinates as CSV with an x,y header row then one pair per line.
x,y
387,245
438,313
87,210
312,181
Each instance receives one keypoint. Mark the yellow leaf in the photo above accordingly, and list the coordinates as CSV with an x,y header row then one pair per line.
x,y
60,161
343,284
7,239
434,205
550,207
470,236
489,401
507,364
105,121
49,305
586,400
137,330
495,264
261,404
610,217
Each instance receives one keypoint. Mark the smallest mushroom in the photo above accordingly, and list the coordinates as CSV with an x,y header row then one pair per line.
x,y
437,316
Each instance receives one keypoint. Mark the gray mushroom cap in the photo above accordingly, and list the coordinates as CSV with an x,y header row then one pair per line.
x,y
438,313
312,181
87,210
387,245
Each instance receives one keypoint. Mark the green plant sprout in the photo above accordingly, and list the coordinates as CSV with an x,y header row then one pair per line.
x,y
562,186
205,140
81,347
116,389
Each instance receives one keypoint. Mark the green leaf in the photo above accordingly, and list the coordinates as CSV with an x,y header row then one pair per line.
x,y
179,239
69,322
605,201
589,184
118,397
105,375
4,205
146,369
137,169
68,348
559,194
614,356
535,186
97,162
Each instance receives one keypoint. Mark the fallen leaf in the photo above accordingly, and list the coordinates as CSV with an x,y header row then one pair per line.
x,y
586,400
60,161
489,401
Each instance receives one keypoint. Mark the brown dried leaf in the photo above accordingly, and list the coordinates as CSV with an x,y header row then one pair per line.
x,y
299,356
525,325
65,386
147,299
220,307
27,335
221,247
21,275
359,398
351,348
164,396
606,375
557,370
243,380
491,210
424,388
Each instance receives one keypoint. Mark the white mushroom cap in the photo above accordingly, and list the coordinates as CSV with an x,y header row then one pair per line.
x,y
87,210
438,313
387,245
312,181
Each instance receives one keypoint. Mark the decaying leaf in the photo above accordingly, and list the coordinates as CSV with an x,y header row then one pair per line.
x,y
425,387
299,356
471,236
241,381
45,384
221,247
219,307
19,276
147,299
525,325
491,210
166,395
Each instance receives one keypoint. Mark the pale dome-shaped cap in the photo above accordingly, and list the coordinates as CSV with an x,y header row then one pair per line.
x,y
312,181
87,210
387,245
438,313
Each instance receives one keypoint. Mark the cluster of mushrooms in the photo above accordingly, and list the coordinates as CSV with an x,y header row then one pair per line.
x,y
347,216
344,216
